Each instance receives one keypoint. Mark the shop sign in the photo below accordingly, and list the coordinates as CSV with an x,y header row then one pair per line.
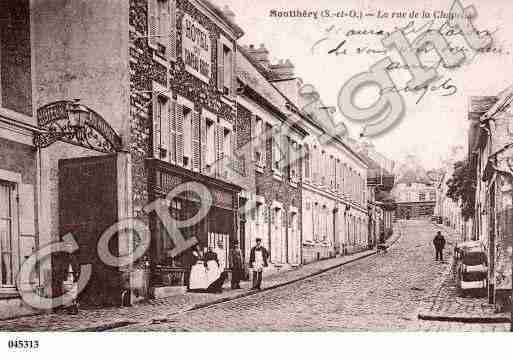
x,y
196,49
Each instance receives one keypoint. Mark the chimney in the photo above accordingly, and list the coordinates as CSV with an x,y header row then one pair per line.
x,y
229,14
261,54
283,70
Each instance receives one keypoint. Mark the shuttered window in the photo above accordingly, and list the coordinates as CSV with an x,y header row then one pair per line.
x,y
17,228
164,128
6,234
188,116
162,27
225,66
307,163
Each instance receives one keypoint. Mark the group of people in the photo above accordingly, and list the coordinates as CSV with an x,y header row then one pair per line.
x,y
205,274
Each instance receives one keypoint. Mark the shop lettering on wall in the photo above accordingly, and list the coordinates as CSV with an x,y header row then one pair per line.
x,y
196,48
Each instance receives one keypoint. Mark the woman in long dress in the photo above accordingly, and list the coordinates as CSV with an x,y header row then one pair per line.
x,y
198,280
215,277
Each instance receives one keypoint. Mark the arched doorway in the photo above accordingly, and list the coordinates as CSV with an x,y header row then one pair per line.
x,y
93,193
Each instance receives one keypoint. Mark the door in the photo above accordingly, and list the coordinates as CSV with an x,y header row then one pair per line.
x,y
88,205
276,246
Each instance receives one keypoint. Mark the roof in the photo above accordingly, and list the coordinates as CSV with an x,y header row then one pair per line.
x,y
219,12
252,75
259,79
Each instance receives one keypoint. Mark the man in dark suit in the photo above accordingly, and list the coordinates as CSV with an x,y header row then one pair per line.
x,y
236,266
439,243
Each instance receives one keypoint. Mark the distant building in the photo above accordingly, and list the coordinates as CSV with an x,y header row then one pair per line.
x,y
447,210
380,182
414,190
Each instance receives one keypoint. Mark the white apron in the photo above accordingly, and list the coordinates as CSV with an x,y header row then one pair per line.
x,y
198,278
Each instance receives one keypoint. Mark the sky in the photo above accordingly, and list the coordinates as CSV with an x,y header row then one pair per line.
x,y
430,127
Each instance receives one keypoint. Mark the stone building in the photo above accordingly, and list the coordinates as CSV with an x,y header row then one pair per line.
x,y
333,190
380,182
19,159
111,105
277,136
156,85
490,157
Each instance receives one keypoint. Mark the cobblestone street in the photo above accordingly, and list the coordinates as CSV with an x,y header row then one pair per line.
x,y
376,293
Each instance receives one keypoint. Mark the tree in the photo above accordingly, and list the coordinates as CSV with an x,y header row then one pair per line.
x,y
461,187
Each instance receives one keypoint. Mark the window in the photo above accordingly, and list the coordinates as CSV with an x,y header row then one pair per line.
x,y
161,126
227,143
276,152
187,137
323,168
225,66
211,143
6,234
162,27
332,172
227,59
307,163
259,141
422,196
258,213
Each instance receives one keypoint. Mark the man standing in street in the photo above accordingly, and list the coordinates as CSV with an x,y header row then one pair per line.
x,y
439,243
257,261
236,266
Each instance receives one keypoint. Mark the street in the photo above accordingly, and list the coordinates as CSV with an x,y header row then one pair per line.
x,y
376,293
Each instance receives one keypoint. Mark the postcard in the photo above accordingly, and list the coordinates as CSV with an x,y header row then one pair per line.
x,y
236,166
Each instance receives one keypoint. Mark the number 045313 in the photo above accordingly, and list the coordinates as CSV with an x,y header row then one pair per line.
x,y
23,344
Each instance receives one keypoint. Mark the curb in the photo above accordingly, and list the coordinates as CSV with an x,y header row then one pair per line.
x,y
238,296
321,271
468,320
423,313
121,324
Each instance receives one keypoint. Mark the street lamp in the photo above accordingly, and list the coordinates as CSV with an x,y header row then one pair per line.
x,y
78,115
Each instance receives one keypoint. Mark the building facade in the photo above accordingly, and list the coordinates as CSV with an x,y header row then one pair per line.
x,y
273,144
381,204
19,159
133,113
414,190
447,210
490,158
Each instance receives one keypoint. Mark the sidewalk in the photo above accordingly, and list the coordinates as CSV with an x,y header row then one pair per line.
x,y
156,311
445,303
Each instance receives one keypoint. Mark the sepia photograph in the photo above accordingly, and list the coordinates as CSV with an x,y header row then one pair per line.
x,y
226,167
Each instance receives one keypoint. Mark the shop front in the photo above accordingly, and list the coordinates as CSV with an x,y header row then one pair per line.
x,y
217,229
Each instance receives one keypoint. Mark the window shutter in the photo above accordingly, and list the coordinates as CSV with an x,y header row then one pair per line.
x,y
218,141
196,141
253,126
307,163
233,67
220,65
172,131
27,221
203,142
233,149
152,23
171,46
156,125
179,134
314,162
164,130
